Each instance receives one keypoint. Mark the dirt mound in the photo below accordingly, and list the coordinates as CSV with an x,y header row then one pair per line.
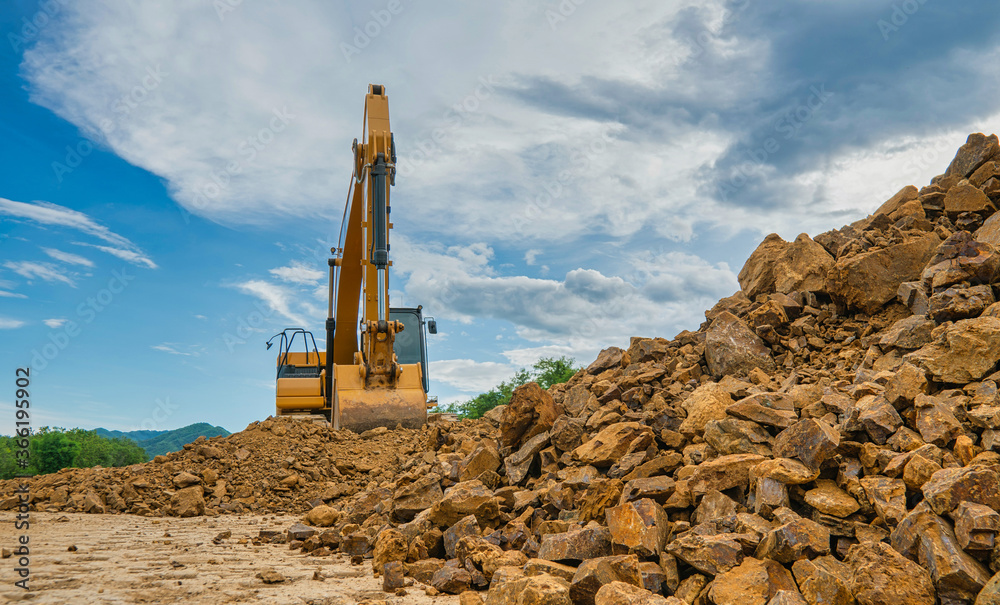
x,y
829,435
277,465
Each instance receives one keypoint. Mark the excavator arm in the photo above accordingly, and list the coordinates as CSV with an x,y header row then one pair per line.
x,y
359,378
367,385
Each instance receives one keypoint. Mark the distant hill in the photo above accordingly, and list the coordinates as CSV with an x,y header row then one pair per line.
x,y
164,442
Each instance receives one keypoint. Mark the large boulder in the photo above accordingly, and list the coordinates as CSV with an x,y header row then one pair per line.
x,y
752,582
708,402
595,573
963,352
966,198
978,150
961,258
989,233
780,266
895,203
531,411
612,443
732,349
188,502
881,575
868,280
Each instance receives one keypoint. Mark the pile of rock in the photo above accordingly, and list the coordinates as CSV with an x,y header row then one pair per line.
x,y
829,435
278,465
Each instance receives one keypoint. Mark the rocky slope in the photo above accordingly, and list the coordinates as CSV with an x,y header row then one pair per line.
x,y
829,435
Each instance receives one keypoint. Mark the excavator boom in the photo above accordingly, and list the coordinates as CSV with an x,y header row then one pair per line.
x,y
359,378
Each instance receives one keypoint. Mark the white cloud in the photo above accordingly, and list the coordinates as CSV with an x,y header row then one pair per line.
x,y
167,348
6,294
44,271
528,171
68,257
470,376
298,273
54,323
46,213
277,298
531,256
10,324
660,294
53,214
527,357
135,257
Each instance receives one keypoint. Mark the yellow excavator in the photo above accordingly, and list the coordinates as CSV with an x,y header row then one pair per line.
x,y
382,381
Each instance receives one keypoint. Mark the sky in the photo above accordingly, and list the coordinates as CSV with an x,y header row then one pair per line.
x,y
571,173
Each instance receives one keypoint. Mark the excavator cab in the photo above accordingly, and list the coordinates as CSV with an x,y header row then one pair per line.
x,y
411,344
301,375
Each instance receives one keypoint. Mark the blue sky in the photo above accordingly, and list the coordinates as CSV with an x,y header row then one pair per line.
x,y
571,173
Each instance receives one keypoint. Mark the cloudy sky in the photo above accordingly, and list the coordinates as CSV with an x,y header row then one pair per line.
x,y
572,173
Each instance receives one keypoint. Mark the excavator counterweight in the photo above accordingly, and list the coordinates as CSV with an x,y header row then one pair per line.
x,y
374,369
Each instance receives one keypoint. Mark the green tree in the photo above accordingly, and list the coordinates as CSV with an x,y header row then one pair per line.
x,y
54,451
547,371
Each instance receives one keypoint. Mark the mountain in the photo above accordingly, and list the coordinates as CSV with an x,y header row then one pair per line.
x,y
163,442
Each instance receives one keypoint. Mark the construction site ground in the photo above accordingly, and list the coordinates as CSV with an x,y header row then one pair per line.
x,y
132,559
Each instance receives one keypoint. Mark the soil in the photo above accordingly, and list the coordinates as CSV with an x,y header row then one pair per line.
x,y
131,559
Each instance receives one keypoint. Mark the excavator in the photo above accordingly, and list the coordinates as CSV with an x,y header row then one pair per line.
x,y
373,371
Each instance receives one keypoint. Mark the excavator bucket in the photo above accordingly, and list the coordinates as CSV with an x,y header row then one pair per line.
x,y
359,408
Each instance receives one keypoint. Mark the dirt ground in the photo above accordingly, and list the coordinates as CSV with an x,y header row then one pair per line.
x,y
130,559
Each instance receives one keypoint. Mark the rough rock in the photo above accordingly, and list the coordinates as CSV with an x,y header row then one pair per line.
x,y
811,441
731,348
829,499
707,402
950,487
577,545
623,593
595,573
795,540
725,472
966,198
977,150
638,527
962,352
322,516
880,575
869,280
780,266
531,411
752,582
451,579
611,443
188,502
710,554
